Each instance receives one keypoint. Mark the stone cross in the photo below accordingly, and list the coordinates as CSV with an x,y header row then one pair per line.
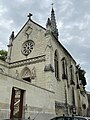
x,y
29,16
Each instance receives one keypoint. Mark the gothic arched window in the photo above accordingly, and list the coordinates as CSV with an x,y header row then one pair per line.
x,y
72,75
26,74
56,64
64,68
73,97
77,79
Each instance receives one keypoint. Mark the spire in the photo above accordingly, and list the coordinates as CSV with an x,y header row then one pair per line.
x,y
11,39
53,23
48,26
48,22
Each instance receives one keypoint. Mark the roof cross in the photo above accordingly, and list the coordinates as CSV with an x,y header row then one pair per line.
x,y
52,4
29,16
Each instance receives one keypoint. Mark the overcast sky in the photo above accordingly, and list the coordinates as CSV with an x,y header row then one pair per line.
x,y
73,22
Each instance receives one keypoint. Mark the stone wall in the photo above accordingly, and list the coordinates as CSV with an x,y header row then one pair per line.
x,y
36,99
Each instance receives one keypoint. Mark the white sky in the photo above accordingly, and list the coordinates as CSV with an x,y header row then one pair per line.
x,y
73,22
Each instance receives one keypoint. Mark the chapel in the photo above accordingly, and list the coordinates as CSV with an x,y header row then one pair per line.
x,y
40,77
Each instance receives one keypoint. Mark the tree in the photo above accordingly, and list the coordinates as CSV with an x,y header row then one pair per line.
x,y
3,55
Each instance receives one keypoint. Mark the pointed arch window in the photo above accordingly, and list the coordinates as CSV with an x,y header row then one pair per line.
x,y
77,79
26,74
56,64
73,97
64,68
72,75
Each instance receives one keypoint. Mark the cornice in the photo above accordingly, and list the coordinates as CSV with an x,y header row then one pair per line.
x,y
27,61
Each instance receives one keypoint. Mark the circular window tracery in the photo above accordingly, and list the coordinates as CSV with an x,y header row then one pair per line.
x,y
27,47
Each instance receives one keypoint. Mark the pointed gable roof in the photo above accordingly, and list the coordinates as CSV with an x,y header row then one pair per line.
x,y
56,38
26,24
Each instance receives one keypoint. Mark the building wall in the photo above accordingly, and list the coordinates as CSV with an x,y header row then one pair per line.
x,y
42,59
37,35
88,110
36,99
63,85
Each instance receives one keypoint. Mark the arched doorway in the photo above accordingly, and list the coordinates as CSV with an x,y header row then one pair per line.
x,y
26,74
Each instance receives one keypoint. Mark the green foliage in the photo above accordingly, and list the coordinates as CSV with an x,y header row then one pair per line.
x,y
3,55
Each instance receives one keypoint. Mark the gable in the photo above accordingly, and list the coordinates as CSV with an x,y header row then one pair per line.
x,y
31,37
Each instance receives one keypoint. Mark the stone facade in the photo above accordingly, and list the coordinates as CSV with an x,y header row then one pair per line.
x,y
42,73
88,111
36,99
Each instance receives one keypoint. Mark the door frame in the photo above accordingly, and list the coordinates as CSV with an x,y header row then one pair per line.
x,y
20,105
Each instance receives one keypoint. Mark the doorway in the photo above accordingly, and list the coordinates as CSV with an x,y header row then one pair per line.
x,y
16,106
